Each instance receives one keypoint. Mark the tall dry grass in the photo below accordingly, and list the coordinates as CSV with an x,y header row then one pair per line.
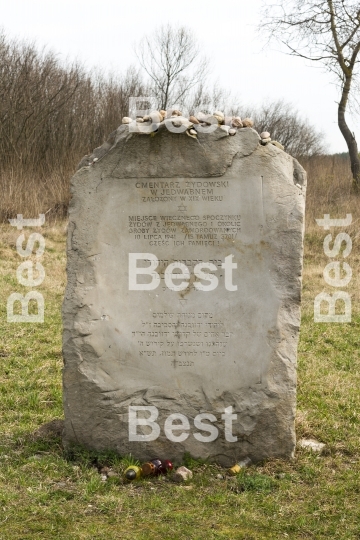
x,y
32,194
330,190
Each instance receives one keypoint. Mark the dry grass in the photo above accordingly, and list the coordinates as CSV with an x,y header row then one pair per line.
x,y
32,195
329,192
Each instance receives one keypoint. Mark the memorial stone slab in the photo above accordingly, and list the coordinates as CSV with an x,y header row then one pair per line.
x,y
182,309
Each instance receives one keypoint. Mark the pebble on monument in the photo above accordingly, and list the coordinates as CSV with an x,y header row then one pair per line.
x,y
182,307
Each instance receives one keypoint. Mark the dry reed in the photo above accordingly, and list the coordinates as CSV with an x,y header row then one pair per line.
x,y
329,190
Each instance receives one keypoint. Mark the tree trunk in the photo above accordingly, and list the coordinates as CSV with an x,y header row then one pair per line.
x,y
348,136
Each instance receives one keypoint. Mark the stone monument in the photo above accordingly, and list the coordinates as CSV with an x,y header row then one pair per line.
x,y
182,308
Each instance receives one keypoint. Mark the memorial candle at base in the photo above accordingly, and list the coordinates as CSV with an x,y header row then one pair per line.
x,y
132,473
156,466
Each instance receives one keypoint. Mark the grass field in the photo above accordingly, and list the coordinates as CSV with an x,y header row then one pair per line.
x,y
47,494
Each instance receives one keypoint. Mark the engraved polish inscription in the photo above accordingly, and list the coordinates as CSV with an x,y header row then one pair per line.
x,y
183,278
210,222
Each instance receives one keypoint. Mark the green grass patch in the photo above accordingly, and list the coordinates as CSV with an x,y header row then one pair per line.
x,y
47,493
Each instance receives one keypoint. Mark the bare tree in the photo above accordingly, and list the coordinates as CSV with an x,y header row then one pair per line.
x,y
209,97
327,32
51,114
171,58
286,125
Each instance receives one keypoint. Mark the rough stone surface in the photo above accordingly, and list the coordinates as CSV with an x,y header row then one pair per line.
x,y
182,474
277,144
186,351
312,444
51,429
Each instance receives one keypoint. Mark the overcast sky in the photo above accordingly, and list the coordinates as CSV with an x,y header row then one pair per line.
x,y
103,33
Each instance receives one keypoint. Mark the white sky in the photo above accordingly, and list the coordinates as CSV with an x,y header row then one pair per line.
x,y
103,33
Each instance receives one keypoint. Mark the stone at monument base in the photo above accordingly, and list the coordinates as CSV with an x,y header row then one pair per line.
x,y
182,309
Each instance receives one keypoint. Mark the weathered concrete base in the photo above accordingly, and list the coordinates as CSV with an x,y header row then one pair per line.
x,y
242,354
